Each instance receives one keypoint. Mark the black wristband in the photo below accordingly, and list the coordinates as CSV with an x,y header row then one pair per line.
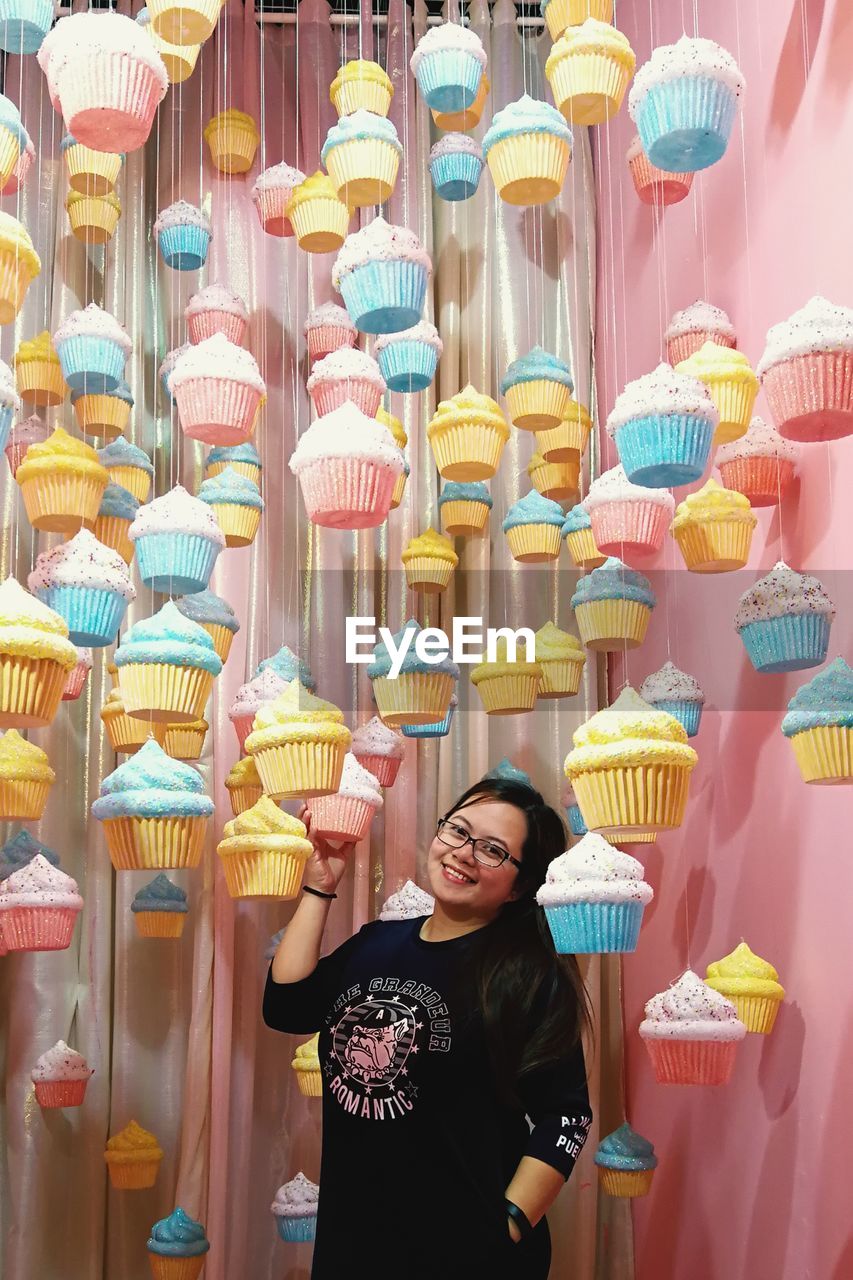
x,y
520,1219
318,893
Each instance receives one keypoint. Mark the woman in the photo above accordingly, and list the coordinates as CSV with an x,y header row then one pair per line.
x,y
437,1037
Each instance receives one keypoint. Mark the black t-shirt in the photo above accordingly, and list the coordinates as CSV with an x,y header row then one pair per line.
x,y
418,1148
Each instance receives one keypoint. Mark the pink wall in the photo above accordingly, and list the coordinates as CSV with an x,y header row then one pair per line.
x,y
754,1177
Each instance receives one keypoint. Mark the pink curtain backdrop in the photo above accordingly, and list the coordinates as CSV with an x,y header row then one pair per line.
x,y
752,1177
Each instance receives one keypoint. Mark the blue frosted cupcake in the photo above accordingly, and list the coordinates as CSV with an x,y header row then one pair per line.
x,y
164,372
19,852
166,666
159,909
613,606
448,64
577,531
128,467
439,729
242,458
10,402
626,1163
24,24
285,664
177,1238
684,101
464,508
407,689
93,349
88,585
574,817
528,147
382,272
13,135
676,692
236,503
663,426
819,724
295,1209
533,528
115,516
594,897
784,621
177,540
183,236
362,155
455,166
215,615
506,770
538,389
408,360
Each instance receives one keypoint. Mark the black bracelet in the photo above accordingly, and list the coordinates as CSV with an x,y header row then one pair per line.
x,y
520,1219
318,893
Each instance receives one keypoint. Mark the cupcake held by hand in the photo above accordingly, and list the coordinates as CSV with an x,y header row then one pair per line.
x,y
347,814
263,852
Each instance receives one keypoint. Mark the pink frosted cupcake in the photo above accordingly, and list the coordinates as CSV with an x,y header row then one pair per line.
x,y
271,194
347,465
31,431
38,908
691,328
379,749
18,176
348,813
78,675
349,374
218,389
654,185
691,1033
807,372
327,329
761,465
263,688
216,309
627,518
60,1077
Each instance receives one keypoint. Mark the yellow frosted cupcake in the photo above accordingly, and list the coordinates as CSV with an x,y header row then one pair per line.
x,y
185,741
630,768
467,435
19,266
36,657
133,1158
93,219
532,527
361,85
93,173
243,785
62,483
555,480
713,528
318,217
298,743
409,690
128,733
561,657
263,852
429,561
752,985
38,373
589,69
507,687
466,120
395,426
306,1064
731,383
560,14
528,147
233,140
568,440
25,778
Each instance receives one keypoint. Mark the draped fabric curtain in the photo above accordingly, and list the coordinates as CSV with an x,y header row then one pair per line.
x,y
173,1029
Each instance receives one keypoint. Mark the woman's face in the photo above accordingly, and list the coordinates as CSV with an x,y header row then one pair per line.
x,y
461,883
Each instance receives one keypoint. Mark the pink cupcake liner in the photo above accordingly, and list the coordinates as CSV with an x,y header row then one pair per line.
x,y
272,210
60,1093
75,683
108,100
326,338
657,186
629,526
692,1061
762,480
242,728
38,928
347,493
685,345
219,411
811,396
365,395
340,817
204,324
383,768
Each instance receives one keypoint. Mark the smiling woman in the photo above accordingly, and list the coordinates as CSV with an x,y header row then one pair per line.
x,y
439,1038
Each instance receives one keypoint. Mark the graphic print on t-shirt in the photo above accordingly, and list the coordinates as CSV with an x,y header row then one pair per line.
x,y
373,1041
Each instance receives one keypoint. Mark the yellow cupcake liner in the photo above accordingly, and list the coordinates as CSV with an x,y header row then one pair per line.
x,y
462,518
642,797
825,754
560,14
428,573
612,624
133,1175
290,770
184,22
178,59
23,798
310,1083
467,450
159,924
166,1268
134,479
128,733
242,798
155,844
364,171
92,173
40,382
233,147
262,873
358,95
15,278
184,743
757,1013
399,490
248,469
508,695
222,637
164,691
105,416
625,1182
530,168
715,546
30,691
589,86
93,220
735,400
557,480
320,225
539,405
415,697
10,154
62,502
563,442
581,547
238,523
112,531
561,678
468,119
534,543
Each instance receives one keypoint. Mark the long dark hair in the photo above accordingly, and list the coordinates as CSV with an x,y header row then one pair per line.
x,y
515,967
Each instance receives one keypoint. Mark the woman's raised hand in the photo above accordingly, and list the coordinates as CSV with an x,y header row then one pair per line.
x,y
325,867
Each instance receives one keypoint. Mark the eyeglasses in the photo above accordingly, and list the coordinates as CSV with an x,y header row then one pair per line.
x,y
486,853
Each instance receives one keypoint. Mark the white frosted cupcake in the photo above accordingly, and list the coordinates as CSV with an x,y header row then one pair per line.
x,y
218,389
761,465
31,431
295,1209
39,906
382,272
88,585
807,372
784,621
262,688
216,309
348,374
448,64
627,518
183,236
690,329
347,465
167,365
676,692
408,903
408,360
60,1077
93,349
177,540
346,815
380,750
271,195
663,426
594,896
328,328
691,1033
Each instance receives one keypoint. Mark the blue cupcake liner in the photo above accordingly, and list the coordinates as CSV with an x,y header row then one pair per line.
x,y
184,248
438,728
165,385
577,826
449,79
685,124
24,24
793,642
665,450
456,176
408,366
385,297
593,928
176,564
688,713
7,417
297,1230
91,364
93,615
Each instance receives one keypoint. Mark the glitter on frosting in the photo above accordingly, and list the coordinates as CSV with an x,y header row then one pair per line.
x,y
378,739
595,37
16,239
527,115
669,684
686,58
382,661
447,36
181,214
593,871
359,784
61,1063
217,357
286,664
216,297
245,452
533,508
538,365
457,491
9,398
22,760
660,393
171,359
298,1198
782,592
342,365
713,503
429,545
278,177
346,432
177,512
626,1149
205,607
20,851
576,520
134,1141
267,819
29,629
761,441
297,716
178,1236
701,317
423,331
502,664
508,772
614,486
306,1057
329,313
168,637
358,126
554,645
818,326
121,453
691,1010
31,431
743,973
82,562
454,144
93,322
230,487
613,580
152,785
408,903
39,884
60,452
160,894
98,32
626,734
379,241
255,692
826,701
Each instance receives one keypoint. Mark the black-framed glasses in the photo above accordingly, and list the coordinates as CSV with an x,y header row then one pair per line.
x,y
486,853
